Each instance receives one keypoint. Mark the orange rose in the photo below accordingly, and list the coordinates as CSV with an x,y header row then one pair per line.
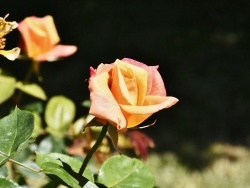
x,y
127,92
40,39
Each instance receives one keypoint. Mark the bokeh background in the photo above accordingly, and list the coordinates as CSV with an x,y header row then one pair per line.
x,y
201,47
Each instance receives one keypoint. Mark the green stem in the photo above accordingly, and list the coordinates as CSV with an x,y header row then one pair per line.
x,y
29,168
29,72
93,149
10,170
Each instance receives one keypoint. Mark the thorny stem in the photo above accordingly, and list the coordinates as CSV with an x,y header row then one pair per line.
x,y
27,167
93,149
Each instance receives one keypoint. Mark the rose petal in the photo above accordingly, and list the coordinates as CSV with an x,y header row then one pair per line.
x,y
124,89
11,54
167,100
104,68
49,26
100,69
39,35
92,71
140,76
137,114
134,119
152,104
103,104
44,27
6,26
57,52
136,63
155,83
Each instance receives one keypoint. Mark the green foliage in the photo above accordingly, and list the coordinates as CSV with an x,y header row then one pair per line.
x,y
59,114
229,168
4,182
65,168
38,129
18,127
32,89
50,144
16,130
121,171
7,87
3,171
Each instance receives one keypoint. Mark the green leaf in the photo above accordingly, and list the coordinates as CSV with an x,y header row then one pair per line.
x,y
86,103
4,182
7,87
121,171
35,106
3,159
22,156
56,172
113,134
59,114
15,130
3,171
38,129
65,168
77,126
51,144
32,89
75,164
24,145
89,184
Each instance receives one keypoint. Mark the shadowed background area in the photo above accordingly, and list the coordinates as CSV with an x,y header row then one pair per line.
x,y
201,47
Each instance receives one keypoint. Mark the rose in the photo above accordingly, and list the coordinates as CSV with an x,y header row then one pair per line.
x,y
126,93
40,39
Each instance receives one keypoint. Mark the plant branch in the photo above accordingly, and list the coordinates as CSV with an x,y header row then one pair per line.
x,y
27,167
10,171
93,149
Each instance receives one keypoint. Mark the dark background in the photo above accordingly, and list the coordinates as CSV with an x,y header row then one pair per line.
x,y
202,48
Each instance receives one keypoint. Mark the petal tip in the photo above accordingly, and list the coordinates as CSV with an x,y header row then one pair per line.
x,y
172,101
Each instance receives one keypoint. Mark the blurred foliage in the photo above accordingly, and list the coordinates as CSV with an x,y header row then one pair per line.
x,y
228,167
